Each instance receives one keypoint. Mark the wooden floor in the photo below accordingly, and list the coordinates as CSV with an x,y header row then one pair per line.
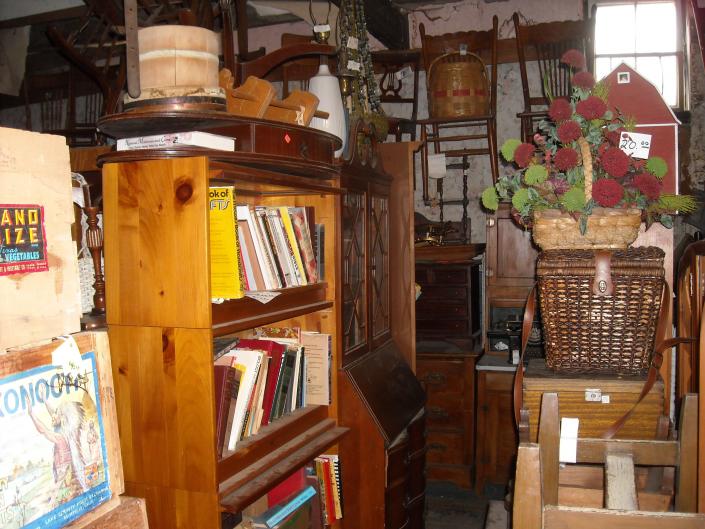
x,y
450,507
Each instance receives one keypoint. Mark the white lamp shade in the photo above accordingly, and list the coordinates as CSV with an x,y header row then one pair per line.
x,y
324,85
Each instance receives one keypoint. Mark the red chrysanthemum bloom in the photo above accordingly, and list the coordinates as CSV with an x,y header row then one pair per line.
x,y
615,162
607,193
584,80
560,110
560,185
574,58
613,136
602,148
568,131
523,154
648,184
591,108
566,158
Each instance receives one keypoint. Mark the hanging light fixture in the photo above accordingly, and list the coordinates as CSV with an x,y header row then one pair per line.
x,y
321,32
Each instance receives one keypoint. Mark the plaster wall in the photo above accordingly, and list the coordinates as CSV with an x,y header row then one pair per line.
x,y
477,15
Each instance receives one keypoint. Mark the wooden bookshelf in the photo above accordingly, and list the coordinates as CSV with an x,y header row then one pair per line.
x,y
162,322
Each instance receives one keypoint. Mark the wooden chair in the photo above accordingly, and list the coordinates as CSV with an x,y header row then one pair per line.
x,y
545,43
630,496
469,135
391,86
691,296
301,70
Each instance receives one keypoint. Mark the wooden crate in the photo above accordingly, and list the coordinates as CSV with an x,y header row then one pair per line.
x,y
40,297
595,417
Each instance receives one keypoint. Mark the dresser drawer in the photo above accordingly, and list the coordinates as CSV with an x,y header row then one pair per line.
x,y
437,308
450,276
442,376
443,293
395,499
443,410
443,327
398,462
445,447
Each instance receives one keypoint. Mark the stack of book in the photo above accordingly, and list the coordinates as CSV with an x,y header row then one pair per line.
x,y
260,379
310,498
260,247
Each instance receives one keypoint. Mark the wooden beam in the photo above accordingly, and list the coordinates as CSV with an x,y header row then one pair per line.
x,y
386,23
581,518
549,438
645,452
687,484
528,503
43,18
620,493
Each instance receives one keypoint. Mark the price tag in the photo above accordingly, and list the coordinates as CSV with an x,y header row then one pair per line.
x,y
635,144
354,66
463,49
404,72
68,357
320,28
593,395
263,296
353,43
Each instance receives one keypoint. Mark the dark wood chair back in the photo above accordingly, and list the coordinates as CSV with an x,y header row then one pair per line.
x,y
545,43
301,70
392,88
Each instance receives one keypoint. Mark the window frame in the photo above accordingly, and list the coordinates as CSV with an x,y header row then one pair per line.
x,y
682,90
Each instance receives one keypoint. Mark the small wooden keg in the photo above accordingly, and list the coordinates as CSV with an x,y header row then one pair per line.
x,y
178,56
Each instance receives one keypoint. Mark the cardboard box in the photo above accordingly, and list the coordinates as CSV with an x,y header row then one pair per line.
x,y
39,281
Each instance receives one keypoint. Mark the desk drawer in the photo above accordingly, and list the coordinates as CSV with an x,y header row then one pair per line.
x,y
443,293
435,309
442,376
446,447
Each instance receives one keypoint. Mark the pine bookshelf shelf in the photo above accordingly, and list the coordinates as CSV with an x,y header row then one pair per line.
x,y
242,314
266,459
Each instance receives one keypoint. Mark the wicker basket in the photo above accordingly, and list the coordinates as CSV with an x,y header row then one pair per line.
x,y
607,229
458,86
587,333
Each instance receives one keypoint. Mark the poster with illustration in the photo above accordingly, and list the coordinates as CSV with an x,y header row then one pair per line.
x,y
53,466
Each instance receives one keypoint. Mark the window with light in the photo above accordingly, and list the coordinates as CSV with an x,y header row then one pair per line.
x,y
643,35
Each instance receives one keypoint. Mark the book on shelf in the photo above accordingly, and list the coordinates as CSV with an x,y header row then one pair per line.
x,y
226,273
227,383
191,138
302,235
320,231
275,351
285,382
291,485
272,518
250,254
248,361
292,396
261,253
318,361
317,515
333,468
287,221
223,344
280,247
278,263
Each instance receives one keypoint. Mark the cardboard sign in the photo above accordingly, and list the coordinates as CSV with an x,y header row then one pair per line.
x,y
23,246
635,144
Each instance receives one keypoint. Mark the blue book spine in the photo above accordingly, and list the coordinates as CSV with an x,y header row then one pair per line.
x,y
301,498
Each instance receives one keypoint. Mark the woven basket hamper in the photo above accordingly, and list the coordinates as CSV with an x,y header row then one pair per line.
x,y
458,86
588,333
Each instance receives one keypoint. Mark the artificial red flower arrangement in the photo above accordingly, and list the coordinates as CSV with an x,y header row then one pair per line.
x,y
582,137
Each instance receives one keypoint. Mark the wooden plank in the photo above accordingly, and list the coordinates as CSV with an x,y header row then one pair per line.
x,y
254,481
164,390
253,448
645,452
528,504
687,475
39,305
549,439
126,513
577,518
155,213
398,161
594,498
620,487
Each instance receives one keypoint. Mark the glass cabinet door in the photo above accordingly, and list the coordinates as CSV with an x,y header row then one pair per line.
x,y
354,283
379,264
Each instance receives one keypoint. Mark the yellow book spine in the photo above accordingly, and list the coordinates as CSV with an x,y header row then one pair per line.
x,y
226,275
289,228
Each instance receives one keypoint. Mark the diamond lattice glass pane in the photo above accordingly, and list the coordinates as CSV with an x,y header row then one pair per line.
x,y
379,231
354,309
